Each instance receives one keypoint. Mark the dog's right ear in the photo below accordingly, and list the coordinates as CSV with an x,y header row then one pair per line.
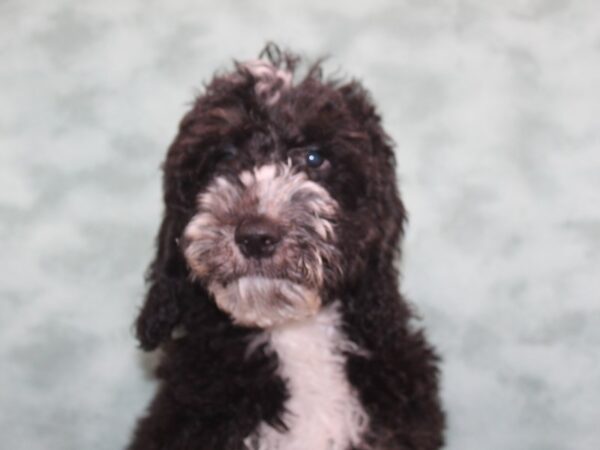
x,y
166,279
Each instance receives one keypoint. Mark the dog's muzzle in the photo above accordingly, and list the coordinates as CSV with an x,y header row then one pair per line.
x,y
264,244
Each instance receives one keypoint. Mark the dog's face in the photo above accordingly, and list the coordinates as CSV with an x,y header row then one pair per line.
x,y
290,190
263,240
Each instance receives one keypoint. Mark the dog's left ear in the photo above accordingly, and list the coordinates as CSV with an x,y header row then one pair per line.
x,y
388,206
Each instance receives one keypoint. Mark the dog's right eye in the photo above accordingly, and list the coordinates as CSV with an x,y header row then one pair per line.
x,y
226,153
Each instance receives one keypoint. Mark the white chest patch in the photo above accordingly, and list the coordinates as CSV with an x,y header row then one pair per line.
x,y
323,411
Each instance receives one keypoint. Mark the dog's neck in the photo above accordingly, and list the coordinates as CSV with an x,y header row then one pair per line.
x,y
323,411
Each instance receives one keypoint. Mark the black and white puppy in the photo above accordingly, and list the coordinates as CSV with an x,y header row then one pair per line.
x,y
274,291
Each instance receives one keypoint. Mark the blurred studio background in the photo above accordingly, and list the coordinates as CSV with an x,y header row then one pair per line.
x,y
495,109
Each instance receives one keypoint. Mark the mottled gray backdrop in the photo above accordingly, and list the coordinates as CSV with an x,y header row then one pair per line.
x,y
494,105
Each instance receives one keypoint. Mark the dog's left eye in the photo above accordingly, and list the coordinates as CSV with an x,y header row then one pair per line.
x,y
314,159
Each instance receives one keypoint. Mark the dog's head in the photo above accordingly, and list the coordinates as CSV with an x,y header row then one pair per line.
x,y
278,192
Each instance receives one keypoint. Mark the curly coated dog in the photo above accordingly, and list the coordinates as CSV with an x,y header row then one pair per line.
x,y
274,291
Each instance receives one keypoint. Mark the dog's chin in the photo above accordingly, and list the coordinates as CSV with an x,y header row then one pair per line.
x,y
257,301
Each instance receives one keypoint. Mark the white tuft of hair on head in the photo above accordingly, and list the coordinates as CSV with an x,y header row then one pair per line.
x,y
270,80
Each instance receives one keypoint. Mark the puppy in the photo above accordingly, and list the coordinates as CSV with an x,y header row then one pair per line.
x,y
274,291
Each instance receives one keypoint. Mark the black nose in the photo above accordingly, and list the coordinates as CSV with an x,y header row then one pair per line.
x,y
257,237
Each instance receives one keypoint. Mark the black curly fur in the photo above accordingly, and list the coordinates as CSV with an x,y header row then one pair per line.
x,y
212,394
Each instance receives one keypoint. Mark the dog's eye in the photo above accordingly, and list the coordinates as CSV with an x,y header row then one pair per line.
x,y
314,159
227,153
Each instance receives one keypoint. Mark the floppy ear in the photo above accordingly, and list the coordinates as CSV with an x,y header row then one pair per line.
x,y
387,205
167,276
166,279
170,290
